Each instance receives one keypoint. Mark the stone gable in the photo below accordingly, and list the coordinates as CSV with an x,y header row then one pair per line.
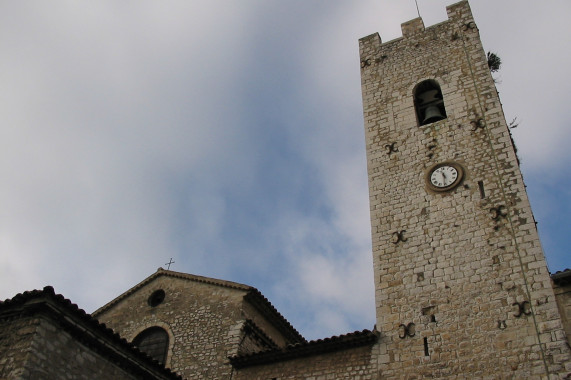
x,y
207,321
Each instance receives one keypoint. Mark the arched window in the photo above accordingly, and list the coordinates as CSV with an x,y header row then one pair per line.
x,y
154,342
428,102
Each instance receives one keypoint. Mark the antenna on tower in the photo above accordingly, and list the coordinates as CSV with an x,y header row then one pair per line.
x,y
417,10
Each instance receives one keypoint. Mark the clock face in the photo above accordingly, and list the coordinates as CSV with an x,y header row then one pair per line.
x,y
444,176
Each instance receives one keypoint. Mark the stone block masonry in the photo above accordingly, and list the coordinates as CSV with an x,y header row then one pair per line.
x,y
467,269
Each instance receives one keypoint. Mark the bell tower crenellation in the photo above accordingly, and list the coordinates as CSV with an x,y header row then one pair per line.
x,y
460,277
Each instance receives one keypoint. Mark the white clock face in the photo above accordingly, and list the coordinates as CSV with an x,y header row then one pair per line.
x,y
444,176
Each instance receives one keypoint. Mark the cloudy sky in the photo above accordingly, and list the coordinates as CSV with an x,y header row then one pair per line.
x,y
228,135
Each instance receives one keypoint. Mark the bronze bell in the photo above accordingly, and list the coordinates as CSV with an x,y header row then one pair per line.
x,y
432,114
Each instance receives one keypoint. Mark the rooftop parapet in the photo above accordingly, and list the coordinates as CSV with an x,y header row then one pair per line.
x,y
458,13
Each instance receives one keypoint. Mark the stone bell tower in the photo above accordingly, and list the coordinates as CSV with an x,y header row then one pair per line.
x,y
461,283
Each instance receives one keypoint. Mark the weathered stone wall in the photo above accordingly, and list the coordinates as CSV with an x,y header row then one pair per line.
x,y
563,297
58,355
36,349
16,337
250,344
206,322
354,363
203,321
467,255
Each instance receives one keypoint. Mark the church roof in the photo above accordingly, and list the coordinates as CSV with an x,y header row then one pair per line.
x,y
83,327
252,295
314,347
562,277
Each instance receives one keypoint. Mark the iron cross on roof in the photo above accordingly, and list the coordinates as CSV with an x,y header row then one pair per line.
x,y
169,264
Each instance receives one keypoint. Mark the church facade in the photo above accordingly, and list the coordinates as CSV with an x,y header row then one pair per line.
x,y
462,288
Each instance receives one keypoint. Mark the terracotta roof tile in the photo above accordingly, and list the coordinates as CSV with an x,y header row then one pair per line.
x,y
562,277
314,347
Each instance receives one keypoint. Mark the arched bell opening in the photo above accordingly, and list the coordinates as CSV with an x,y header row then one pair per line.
x,y
429,102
